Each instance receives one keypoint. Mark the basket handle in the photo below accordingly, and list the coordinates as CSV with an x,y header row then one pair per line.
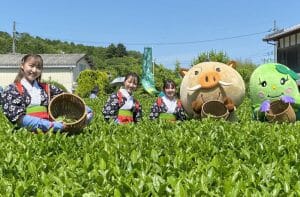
x,y
272,120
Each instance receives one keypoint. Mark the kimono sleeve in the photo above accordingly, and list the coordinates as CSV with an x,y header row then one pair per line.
x,y
154,111
111,107
13,103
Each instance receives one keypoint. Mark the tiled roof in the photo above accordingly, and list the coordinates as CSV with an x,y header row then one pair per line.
x,y
281,33
48,59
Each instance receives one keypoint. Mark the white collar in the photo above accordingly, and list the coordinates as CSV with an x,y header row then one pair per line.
x,y
171,104
28,85
129,102
165,98
125,93
33,90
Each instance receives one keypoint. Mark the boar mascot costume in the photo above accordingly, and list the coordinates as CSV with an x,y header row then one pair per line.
x,y
209,82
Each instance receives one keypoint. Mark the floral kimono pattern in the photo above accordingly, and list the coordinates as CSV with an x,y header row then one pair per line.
x,y
160,107
14,102
114,103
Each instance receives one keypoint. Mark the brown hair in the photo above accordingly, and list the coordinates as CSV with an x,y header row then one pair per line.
x,y
169,83
38,63
133,75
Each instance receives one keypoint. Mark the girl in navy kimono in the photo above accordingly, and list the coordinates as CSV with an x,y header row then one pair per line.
x,y
167,106
121,106
25,101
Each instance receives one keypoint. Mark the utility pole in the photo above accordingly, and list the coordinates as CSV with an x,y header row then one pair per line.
x,y
14,38
153,66
276,43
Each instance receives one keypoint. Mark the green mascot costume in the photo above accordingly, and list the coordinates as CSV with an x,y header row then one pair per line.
x,y
270,82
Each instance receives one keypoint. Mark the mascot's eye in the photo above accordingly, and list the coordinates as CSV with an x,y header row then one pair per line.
x,y
283,80
263,84
218,69
196,72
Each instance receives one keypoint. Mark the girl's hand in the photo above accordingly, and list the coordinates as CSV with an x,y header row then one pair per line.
x,y
58,126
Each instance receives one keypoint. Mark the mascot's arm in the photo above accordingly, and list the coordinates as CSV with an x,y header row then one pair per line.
x,y
196,106
229,104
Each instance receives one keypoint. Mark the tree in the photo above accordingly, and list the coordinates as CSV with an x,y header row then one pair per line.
x,y
177,68
211,56
111,51
5,42
120,50
161,74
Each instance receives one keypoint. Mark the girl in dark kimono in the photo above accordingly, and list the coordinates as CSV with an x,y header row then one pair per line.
x,y
25,101
121,106
167,106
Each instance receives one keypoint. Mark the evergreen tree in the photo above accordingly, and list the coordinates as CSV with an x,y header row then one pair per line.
x,y
120,50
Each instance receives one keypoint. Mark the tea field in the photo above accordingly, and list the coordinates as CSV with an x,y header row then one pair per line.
x,y
191,158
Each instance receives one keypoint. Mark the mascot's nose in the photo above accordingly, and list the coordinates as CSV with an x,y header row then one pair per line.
x,y
273,87
209,79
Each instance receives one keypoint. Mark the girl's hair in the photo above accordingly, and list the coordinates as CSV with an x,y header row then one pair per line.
x,y
169,83
38,63
134,76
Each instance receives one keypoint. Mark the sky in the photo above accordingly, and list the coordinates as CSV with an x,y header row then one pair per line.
x,y
176,30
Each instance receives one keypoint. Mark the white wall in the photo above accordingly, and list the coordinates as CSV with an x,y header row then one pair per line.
x,y
60,75
81,65
63,76
7,76
66,76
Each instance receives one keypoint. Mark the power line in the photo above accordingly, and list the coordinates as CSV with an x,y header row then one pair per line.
x,y
198,41
172,43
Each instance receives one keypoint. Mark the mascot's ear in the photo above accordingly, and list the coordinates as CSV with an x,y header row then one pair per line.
x,y
183,71
232,64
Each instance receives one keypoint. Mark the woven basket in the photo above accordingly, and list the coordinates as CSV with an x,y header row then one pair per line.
x,y
71,107
214,109
280,112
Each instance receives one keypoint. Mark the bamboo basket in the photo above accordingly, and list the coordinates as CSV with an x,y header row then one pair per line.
x,y
214,109
281,112
71,107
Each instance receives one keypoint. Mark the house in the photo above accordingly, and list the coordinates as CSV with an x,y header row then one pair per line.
x,y
287,46
62,68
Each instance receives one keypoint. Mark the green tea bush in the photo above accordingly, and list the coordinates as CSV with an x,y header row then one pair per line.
x,y
152,158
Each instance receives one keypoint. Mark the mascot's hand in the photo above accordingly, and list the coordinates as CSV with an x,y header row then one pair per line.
x,y
197,105
287,99
265,106
229,104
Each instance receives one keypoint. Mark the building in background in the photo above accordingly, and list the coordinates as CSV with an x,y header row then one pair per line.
x,y
287,46
62,68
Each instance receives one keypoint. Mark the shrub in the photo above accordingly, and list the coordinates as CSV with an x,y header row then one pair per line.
x,y
88,79
245,69
56,84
